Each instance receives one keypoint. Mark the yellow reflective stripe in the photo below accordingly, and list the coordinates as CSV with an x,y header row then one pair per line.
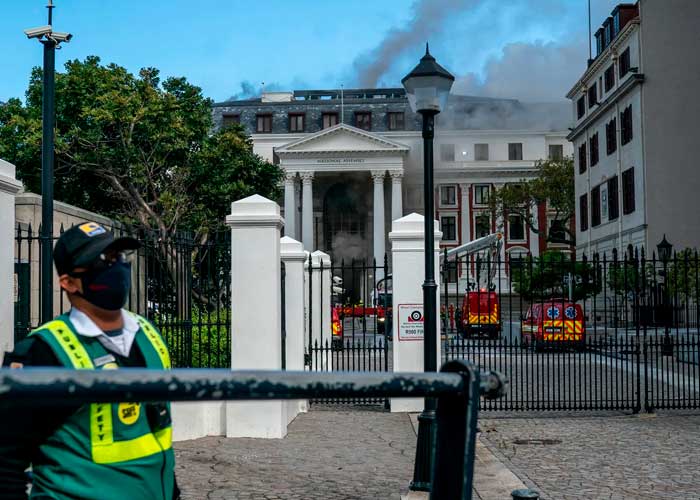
x,y
70,344
133,449
156,341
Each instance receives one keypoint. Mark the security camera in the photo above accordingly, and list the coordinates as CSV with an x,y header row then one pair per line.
x,y
61,37
38,32
337,280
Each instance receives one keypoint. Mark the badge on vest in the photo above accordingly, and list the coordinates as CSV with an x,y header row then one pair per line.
x,y
129,412
104,360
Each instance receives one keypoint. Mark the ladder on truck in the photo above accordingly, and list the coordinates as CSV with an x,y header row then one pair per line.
x,y
490,247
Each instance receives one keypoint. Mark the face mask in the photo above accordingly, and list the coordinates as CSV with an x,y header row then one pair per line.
x,y
107,287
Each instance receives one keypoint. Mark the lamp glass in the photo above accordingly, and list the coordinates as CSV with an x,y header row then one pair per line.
x,y
664,248
427,93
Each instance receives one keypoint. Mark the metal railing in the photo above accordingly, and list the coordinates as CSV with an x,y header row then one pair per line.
x,y
457,388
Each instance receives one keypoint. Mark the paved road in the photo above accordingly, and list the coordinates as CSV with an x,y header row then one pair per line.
x,y
327,455
629,457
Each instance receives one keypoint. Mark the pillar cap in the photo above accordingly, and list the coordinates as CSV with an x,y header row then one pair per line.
x,y
8,182
255,210
411,227
318,256
291,249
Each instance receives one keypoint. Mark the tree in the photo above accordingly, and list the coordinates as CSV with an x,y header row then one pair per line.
x,y
683,276
548,277
136,149
554,185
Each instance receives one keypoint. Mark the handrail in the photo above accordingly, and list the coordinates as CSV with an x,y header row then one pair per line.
x,y
457,389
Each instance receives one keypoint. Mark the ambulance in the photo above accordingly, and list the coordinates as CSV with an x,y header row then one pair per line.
x,y
553,323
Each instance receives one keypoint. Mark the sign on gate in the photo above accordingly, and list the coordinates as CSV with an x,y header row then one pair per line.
x,y
411,322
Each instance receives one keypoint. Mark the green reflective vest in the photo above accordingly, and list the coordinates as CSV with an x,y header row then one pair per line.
x,y
105,451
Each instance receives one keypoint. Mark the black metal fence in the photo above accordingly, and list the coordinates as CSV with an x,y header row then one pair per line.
x,y
349,324
606,333
179,283
457,389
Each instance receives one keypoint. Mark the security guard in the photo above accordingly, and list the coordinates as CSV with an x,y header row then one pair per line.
x,y
93,451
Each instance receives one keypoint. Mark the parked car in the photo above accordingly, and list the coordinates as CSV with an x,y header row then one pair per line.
x,y
555,322
480,314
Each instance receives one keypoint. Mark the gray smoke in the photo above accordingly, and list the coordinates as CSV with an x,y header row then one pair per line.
x,y
428,18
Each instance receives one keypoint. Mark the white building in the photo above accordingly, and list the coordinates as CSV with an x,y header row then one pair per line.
x,y
355,163
636,130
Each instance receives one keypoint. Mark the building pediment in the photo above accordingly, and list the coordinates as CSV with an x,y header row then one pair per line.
x,y
341,138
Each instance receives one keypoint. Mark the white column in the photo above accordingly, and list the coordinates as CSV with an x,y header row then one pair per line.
x,y
396,194
321,332
501,277
407,254
466,210
290,179
256,343
9,186
534,237
293,257
379,230
307,210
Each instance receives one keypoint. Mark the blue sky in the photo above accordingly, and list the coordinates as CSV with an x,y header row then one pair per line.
x,y
529,49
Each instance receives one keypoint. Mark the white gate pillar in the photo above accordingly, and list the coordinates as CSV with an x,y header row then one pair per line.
x,y
407,253
293,257
9,186
321,335
256,341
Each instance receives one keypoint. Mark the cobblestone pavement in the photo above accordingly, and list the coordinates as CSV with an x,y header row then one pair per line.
x,y
327,454
635,457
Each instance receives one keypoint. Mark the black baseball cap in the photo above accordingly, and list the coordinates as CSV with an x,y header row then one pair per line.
x,y
81,245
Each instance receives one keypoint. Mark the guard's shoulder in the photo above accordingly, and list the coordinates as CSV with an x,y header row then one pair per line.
x,y
31,351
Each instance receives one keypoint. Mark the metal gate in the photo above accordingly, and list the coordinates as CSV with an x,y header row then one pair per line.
x,y
348,320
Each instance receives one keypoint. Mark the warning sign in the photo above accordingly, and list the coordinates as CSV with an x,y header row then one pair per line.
x,y
411,322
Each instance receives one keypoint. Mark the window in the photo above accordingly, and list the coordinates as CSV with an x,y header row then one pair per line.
x,y
628,191
556,151
611,136
264,125
363,120
228,120
296,122
448,196
613,196
482,225
395,121
516,228
515,151
481,194
595,206
581,107
329,119
609,78
626,125
448,225
583,211
481,152
447,152
557,231
594,149
582,158
624,62
592,96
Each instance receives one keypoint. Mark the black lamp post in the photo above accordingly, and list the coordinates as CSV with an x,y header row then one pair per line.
x,y
427,88
50,40
665,249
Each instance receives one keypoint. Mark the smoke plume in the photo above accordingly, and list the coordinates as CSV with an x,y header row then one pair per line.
x,y
428,18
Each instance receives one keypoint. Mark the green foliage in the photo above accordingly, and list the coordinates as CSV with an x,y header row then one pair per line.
x,y
211,342
135,148
553,184
683,275
545,277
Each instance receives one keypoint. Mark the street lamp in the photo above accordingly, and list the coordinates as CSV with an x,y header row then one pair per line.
x,y
427,88
665,249
50,39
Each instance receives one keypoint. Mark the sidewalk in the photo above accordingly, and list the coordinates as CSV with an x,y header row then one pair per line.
x,y
328,454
